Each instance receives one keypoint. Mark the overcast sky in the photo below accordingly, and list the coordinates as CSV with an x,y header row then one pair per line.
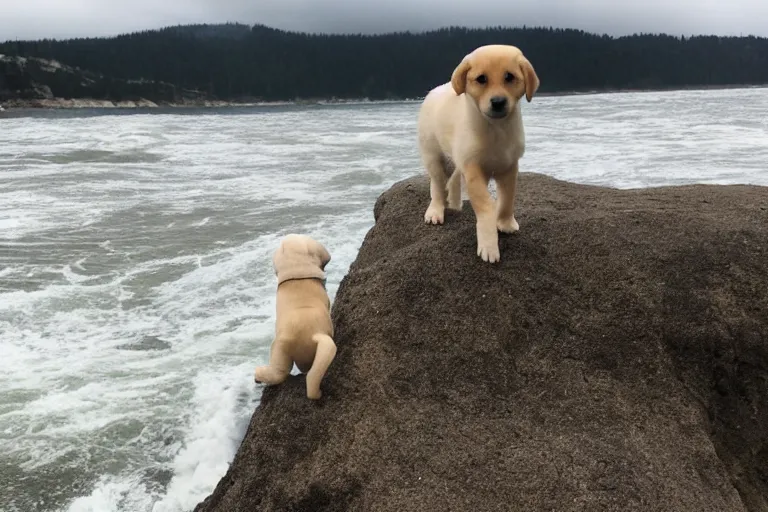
x,y
32,19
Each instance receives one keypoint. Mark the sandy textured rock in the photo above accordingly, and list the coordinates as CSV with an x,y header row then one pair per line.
x,y
616,359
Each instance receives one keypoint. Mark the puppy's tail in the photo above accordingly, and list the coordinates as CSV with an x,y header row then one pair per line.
x,y
324,354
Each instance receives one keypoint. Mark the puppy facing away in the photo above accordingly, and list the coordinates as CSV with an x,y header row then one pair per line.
x,y
472,127
303,328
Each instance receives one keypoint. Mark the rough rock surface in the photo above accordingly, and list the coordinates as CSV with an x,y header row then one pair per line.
x,y
616,359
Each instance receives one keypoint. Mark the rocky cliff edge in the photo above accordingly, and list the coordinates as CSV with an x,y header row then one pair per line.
x,y
616,359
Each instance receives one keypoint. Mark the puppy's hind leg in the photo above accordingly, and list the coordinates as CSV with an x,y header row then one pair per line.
x,y
277,370
324,354
506,186
454,190
438,180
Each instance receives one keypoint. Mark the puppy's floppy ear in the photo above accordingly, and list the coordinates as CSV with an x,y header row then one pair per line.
x,y
323,254
459,76
277,256
531,79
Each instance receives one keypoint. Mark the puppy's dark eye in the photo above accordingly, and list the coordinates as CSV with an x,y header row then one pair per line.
x,y
508,77
481,79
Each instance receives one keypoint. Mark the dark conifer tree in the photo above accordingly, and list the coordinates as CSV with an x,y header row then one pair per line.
x,y
234,61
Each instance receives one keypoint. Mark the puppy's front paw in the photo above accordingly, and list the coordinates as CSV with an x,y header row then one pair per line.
x,y
489,253
314,394
509,225
488,244
257,375
435,214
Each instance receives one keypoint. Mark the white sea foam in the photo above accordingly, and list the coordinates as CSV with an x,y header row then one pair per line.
x,y
136,287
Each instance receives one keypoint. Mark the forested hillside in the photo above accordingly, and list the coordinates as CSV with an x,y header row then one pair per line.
x,y
237,61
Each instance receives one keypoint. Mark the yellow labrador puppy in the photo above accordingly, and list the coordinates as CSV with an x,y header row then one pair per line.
x,y
303,329
473,125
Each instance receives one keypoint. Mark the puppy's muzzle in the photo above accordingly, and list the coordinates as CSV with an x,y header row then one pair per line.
x,y
498,107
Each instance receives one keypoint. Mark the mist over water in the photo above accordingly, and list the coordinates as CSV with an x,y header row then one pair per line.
x,y
136,287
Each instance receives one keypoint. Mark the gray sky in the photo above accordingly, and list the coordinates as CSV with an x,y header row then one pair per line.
x,y
31,19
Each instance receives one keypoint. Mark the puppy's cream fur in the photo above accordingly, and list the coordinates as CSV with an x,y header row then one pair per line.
x,y
460,130
303,329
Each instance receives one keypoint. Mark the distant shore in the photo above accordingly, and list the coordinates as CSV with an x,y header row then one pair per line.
x,y
87,103
655,89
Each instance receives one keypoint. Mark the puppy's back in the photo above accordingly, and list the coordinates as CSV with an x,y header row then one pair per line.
x,y
303,310
437,118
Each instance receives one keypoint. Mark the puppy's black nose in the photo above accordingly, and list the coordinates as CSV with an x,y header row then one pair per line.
x,y
498,103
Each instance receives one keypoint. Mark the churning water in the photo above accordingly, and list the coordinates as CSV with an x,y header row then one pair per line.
x,y
136,287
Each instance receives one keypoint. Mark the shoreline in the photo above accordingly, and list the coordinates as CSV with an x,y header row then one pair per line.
x,y
651,90
143,104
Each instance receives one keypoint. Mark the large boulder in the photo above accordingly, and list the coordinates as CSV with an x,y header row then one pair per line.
x,y
616,359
